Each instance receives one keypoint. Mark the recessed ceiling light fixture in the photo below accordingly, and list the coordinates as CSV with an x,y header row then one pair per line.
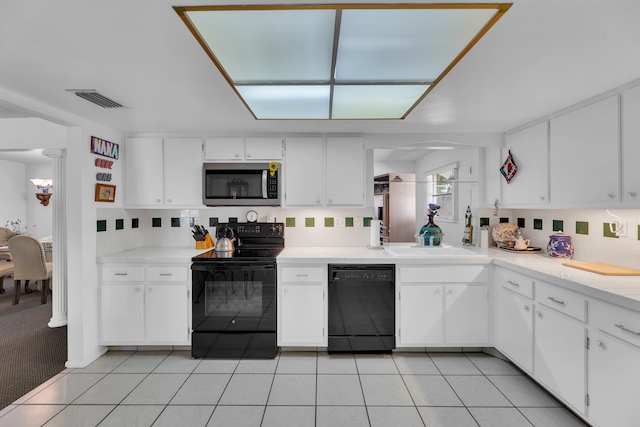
x,y
92,95
337,61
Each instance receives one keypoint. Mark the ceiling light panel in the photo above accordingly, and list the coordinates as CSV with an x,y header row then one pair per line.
x,y
374,101
403,45
269,46
346,61
291,102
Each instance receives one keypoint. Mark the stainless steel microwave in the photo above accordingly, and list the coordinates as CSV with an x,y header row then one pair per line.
x,y
241,184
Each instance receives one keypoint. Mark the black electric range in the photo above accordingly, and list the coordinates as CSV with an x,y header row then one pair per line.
x,y
234,294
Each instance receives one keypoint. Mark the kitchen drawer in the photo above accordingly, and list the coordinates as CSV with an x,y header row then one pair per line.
x,y
176,273
122,273
617,322
303,275
563,300
516,282
449,273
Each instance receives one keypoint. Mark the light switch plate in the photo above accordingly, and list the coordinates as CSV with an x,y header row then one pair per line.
x,y
358,222
339,222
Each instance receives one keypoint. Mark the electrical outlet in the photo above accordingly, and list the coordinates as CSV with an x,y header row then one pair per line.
x,y
358,222
622,230
339,222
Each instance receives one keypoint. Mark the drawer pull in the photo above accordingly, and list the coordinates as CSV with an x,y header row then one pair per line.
x,y
122,274
166,274
526,308
556,300
631,331
302,275
513,283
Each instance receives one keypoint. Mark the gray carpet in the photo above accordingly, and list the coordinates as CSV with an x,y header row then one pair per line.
x,y
30,351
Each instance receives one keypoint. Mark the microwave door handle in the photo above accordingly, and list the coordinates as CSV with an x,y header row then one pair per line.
x,y
264,184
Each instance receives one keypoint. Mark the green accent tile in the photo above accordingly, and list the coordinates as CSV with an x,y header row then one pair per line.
x,y
606,231
213,221
135,222
638,232
156,222
175,222
119,224
484,222
309,222
366,221
348,222
521,222
328,222
504,220
101,225
558,225
582,227
537,224
290,222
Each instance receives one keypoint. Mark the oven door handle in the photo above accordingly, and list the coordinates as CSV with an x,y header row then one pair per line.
x,y
232,267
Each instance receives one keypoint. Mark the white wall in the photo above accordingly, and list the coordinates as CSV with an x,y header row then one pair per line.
x,y
13,203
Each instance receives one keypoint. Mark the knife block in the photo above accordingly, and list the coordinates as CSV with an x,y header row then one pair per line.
x,y
204,244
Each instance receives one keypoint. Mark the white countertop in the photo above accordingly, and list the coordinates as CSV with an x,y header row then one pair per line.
x,y
620,290
153,254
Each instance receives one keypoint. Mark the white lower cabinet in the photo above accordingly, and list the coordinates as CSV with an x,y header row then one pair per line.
x,y
560,356
514,328
614,366
442,305
144,305
514,314
302,306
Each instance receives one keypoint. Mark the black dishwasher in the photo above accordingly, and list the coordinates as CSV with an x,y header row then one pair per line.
x,y
361,308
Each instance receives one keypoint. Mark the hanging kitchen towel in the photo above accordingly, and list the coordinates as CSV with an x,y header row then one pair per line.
x,y
509,168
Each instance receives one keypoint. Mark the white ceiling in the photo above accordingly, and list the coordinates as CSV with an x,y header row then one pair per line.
x,y
542,56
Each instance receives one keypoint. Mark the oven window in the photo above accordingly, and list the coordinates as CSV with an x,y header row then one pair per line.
x,y
235,298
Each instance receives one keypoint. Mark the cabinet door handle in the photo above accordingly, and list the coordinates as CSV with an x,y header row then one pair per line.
x,y
169,200
556,300
538,314
631,194
526,308
166,274
318,201
248,154
599,343
122,274
158,200
137,289
450,291
542,198
624,328
237,154
513,283
149,289
611,196
285,290
437,291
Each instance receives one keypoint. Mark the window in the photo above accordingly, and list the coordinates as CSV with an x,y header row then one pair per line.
x,y
441,190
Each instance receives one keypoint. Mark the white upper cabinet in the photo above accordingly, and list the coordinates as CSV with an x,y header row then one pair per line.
x,y
345,171
183,171
585,155
303,172
163,173
530,150
241,149
324,174
631,147
144,172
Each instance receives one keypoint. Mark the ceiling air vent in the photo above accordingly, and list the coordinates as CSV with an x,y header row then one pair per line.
x,y
95,97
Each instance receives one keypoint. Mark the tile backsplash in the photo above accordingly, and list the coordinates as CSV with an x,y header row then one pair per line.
x,y
589,229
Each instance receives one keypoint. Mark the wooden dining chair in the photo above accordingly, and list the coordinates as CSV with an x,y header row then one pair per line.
x,y
29,264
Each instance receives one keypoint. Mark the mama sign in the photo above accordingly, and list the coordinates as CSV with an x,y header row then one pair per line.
x,y
105,148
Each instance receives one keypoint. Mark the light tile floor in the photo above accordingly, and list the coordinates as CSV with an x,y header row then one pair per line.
x,y
296,389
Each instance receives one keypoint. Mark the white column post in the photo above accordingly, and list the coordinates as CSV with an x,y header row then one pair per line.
x,y
59,274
